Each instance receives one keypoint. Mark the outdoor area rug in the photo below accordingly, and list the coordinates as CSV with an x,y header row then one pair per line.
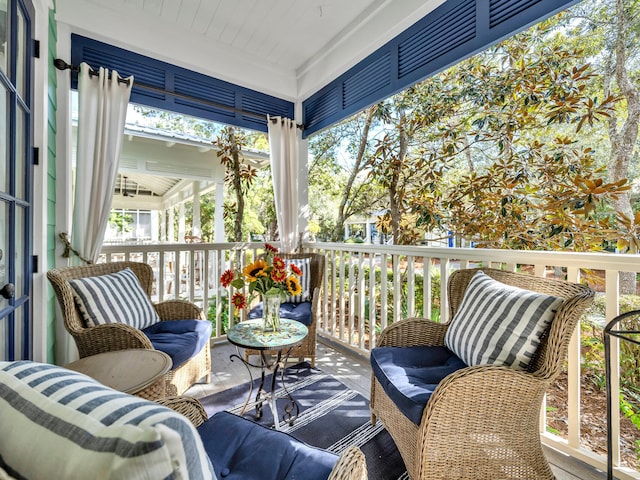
x,y
332,417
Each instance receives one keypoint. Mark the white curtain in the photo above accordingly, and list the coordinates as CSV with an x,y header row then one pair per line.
x,y
283,143
102,110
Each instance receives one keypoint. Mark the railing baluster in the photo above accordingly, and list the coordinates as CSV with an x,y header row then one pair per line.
x,y
372,300
444,281
325,313
332,294
177,287
341,316
573,369
384,296
204,281
397,286
221,267
426,287
192,275
160,286
361,297
411,287
352,303
612,308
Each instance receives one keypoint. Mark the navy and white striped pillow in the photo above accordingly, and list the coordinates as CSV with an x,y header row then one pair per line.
x,y
304,264
499,324
114,298
57,423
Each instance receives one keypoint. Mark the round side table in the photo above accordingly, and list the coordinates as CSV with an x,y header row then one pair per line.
x,y
250,334
135,371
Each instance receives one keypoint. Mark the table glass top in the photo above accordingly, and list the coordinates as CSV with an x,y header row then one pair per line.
x,y
249,334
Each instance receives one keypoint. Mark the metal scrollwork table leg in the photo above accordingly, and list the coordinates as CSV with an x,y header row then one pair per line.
x,y
291,409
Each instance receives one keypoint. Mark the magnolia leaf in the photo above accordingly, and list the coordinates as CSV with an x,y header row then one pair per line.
x,y
622,244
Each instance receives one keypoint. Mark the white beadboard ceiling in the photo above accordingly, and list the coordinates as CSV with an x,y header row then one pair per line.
x,y
289,48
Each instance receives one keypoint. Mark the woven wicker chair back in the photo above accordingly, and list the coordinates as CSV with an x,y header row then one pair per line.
x,y
60,277
552,351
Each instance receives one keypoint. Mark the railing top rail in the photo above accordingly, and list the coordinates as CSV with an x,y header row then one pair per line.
x,y
184,247
592,260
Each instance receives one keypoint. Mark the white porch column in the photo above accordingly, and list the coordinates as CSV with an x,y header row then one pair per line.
x,y
172,222
154,225
367,236
181,223
162,215
196,229
218,216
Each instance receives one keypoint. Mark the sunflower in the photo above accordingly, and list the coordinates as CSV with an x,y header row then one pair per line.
x,y
255,270
293,286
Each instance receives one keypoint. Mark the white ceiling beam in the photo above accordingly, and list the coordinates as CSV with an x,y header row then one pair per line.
x,y
137,202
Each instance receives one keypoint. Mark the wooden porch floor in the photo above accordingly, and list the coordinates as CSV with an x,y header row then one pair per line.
x,y
354,371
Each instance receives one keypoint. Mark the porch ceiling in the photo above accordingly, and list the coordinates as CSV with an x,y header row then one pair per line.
x,y
161,166
287,48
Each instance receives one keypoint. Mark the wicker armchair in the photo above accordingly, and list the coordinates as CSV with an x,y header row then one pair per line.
x,y
113,336
350,466
481,422
307,349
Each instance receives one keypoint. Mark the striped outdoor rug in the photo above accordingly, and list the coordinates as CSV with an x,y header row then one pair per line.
x,y
332,416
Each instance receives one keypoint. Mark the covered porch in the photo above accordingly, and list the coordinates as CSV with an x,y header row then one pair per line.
x,y
377,285
318,91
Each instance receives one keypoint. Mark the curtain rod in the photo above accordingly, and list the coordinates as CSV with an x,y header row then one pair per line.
x,y
62,65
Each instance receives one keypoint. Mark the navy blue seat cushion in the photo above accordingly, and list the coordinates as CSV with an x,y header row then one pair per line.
x,y
291,311
180,339
409,375
240,449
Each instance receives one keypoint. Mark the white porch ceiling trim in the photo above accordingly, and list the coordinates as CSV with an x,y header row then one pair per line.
x,y
350,46
275,47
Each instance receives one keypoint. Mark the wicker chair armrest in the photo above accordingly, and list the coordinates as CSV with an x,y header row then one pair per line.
x,y
187,406
351,466
178,310
413,332
484,399
315,303
109,337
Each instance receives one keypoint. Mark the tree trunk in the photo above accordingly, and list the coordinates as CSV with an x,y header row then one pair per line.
x,y
623,139
237,187
338,232
396,168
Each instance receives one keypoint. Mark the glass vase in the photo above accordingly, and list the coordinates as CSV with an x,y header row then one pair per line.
x,y
271,311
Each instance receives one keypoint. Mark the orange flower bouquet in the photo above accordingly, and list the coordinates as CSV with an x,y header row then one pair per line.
x,y
271,278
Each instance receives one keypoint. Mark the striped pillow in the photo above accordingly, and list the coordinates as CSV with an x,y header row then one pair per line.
x,y
61,424
114,298
304,264
499,324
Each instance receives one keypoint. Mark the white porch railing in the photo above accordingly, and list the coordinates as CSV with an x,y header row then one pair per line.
x,y
401,286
